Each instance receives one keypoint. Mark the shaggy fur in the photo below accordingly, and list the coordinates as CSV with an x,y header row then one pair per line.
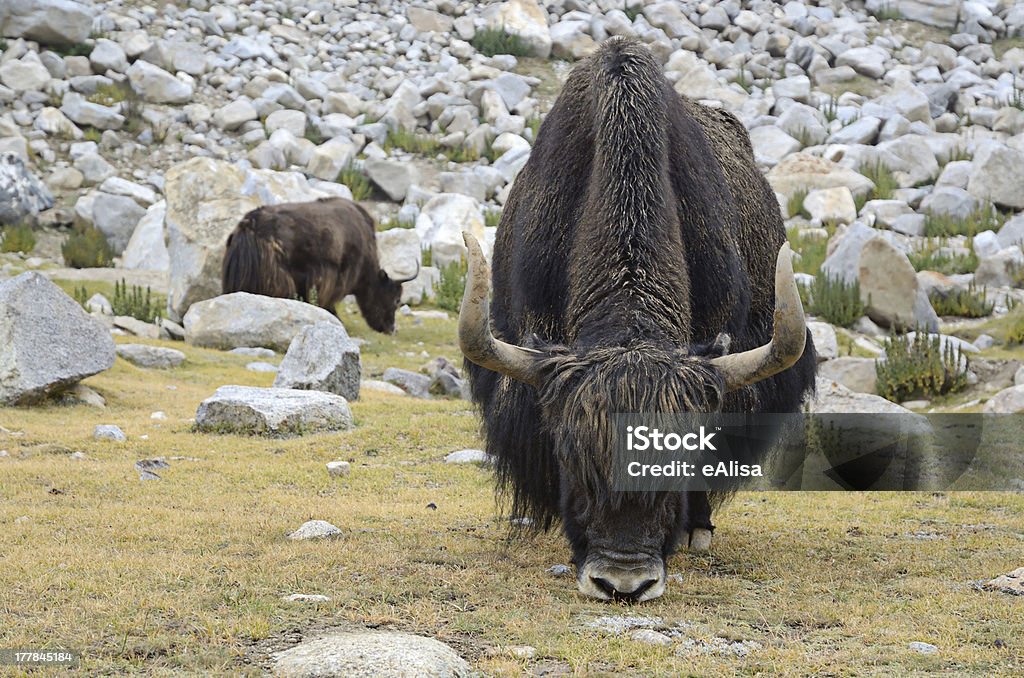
x,y
328,246
638,231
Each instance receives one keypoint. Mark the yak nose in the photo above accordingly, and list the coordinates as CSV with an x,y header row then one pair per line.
x,y
625,582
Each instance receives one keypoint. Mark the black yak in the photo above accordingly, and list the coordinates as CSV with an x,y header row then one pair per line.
x,y
636,250
314,251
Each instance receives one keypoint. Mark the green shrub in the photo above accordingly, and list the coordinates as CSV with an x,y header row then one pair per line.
x,y
812,249
134,302
357,182
452,284
830,109
428,257
422,144
795,204
919,367
835,300
1014,333
932,257
986,218
884,180
969,303
17,238
633,11
87,247
491,41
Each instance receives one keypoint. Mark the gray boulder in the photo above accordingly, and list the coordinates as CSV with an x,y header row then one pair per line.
x,y
146,249
152,357
413,383
47,341
116,216
272,411
856,374
998,175
51,22
243,319
157,86
22,194
371,654
890,290
322,358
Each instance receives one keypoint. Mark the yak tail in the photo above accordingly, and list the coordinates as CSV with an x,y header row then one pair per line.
x,y
253,264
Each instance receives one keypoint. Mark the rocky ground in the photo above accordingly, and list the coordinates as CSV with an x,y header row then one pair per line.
x,y
892,133
898,123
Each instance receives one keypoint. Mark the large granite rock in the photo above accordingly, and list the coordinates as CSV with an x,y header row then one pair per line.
x,y
441,222
272,411
322,358
890,290
802,171
147,250
47,341
206,198
51,22
525,18
371,654
997,174
22,194
243,319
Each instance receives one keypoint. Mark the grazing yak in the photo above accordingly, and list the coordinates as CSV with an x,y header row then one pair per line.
x,y
635,270
324,249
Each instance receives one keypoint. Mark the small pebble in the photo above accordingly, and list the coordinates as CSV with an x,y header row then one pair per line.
x,y
306,598
559,570
315,529
109,432
159,416
650,637
923,648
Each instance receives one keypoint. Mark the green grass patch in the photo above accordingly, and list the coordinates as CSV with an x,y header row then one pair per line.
x,y
986,218
795,204
452,284
87,247
965,303
884,180
935,256
357,182
491,41
835,300
17,238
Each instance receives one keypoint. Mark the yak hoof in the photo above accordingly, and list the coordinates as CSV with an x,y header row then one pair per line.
x,y
700,540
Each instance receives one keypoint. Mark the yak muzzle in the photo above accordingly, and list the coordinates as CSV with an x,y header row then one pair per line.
x,y
626,580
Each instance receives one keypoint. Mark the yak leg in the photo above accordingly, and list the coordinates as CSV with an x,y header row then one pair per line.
x,y
698,521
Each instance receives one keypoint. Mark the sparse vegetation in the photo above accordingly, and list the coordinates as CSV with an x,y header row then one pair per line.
x,y
965,303
986,218
633,11
389,223
75,49
936,256
357,182
835,300
452,284
423,144
812,249
795,204
134,302
830,109
884,180
91,134
17,238
1014,333
491,41
87,247
919,367
888,12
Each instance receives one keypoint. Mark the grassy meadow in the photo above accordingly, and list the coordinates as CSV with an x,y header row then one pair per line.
x,y
185,576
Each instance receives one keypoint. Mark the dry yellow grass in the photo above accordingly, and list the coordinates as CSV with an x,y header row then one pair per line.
x,y
185,576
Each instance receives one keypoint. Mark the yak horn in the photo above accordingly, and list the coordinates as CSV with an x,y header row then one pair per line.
x,y
411,277
788,337
475,338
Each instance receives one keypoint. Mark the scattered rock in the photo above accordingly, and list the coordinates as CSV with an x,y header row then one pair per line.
x,y
468,457
249,410
243,319
413,383
321,357
385,654
1012,583
922,648
315,529
338,469
153,357
49,342
306,598
109,432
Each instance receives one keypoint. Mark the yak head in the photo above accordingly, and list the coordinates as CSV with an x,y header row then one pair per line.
x,y
621,540
380,299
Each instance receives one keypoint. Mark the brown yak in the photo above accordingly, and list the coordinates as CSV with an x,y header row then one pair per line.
x,y
317,251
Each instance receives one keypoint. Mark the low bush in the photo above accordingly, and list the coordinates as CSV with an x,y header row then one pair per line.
x,y
919,367
87,247
452,284
835,300
17,238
